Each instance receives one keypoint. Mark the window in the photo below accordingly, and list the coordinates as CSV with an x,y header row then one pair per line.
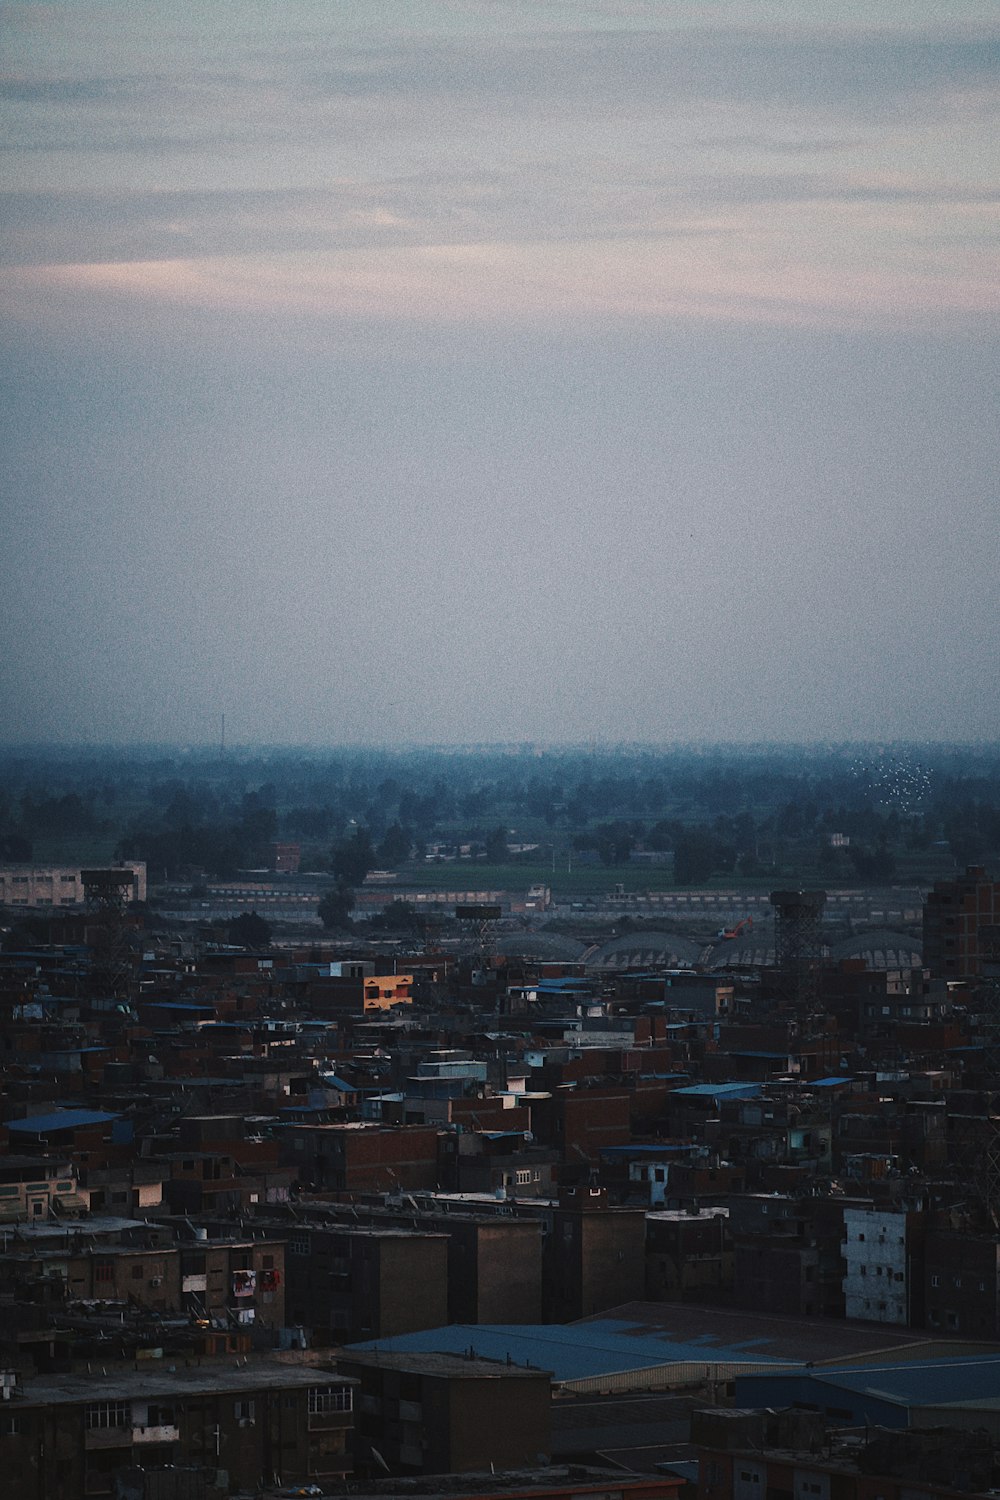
x,y
523,1175
327,1398
244,1411
935,1281
104,1271
298,1245
160,1416
106,1414
9,1426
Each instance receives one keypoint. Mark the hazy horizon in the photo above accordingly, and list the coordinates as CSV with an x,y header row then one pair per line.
x,y
475,373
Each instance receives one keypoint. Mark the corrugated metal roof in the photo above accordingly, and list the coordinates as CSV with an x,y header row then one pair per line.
x,y
574,1351
939,1382
61,1119
973,1381
718,1090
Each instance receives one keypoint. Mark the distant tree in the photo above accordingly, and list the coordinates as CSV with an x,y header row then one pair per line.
x,y
351,860
613,842
873,864
699,854
399,916
249,931
335,906
496,846
396,845
15,847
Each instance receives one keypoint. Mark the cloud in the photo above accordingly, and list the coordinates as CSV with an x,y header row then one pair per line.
x,y
634,172
726,277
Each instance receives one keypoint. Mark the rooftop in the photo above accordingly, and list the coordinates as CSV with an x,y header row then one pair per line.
x,y
169,1380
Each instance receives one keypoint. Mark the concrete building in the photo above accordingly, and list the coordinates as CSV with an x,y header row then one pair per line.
x,y
447,1413
42,886
954,912
347,1284
883,1255
962,1283
71,1435
689,1255
751,1454
595,1255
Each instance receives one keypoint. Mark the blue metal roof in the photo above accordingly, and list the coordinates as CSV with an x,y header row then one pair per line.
x,y
825,1083
62,1119
643,1150
180,1004
906,1384
718,1091
574,1351
749,1052
937,1382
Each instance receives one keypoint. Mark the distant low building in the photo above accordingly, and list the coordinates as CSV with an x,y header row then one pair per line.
x,y
42,886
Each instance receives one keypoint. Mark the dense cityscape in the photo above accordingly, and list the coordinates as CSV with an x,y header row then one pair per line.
x,y
501,1121
499,750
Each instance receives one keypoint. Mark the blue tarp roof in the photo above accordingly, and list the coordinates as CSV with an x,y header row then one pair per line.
x,y
61,1119
575,1351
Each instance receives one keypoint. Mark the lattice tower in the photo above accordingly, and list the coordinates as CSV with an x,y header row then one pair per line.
x,y
798,945
107,894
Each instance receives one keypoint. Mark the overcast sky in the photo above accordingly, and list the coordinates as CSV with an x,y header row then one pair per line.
x,y
484,370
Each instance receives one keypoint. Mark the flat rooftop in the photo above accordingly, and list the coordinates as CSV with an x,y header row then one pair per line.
x,y
434,1362
179,1381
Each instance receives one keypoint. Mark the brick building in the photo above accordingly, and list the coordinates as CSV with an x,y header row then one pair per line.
x,y
71,1435
445,1414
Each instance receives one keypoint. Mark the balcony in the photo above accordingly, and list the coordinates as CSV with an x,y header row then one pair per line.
x,y
108,1437
329,1421
168,1433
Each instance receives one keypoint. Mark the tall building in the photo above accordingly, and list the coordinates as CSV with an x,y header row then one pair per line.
x,y
955,913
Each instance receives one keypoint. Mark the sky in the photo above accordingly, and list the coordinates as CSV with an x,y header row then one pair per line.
x,y
489,370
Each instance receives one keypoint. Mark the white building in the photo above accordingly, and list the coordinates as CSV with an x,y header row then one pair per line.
x,y
878,1251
